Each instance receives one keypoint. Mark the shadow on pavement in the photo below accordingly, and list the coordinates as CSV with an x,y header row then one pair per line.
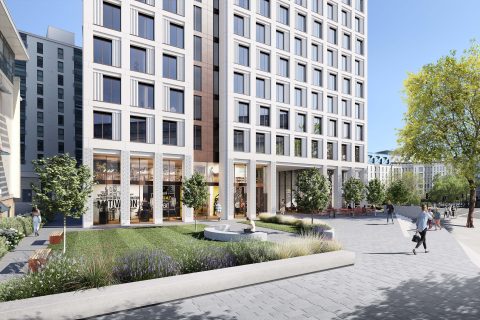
x,y
169,311
405,253
39,242
14,267
453,298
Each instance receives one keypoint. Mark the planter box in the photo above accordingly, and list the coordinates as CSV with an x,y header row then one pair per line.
x,y
55,237
94,302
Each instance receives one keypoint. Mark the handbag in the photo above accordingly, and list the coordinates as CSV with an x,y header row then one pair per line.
x,y
416,238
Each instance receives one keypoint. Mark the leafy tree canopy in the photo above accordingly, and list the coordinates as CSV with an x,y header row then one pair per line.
x,y
375,192
448,188
353,190
312,190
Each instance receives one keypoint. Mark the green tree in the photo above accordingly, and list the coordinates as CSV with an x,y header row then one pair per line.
x,y
353,190
443,116
448,188
405,189
312,191
195,193
64,188
375,192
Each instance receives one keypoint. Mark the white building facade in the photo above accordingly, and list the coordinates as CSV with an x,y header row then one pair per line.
x,y
51,106
244,92
11,49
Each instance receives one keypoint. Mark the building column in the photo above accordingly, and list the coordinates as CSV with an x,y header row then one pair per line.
x,y
252,189
226,190
87,219
158,189
187,215
337,177
271,179
125,188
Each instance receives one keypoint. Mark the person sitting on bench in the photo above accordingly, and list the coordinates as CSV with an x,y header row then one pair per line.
x,y
252,226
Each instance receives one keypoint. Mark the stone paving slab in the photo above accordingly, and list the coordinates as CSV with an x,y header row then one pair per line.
x,y
386,282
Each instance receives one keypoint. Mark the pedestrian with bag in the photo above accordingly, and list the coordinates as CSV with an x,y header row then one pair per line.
x,y
390,210
37,220
421,233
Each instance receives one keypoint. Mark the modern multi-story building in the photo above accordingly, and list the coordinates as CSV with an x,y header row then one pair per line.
x,y
11,49
51,106
245,92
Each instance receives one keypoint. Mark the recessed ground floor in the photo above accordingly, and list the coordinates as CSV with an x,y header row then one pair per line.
x,y
138,188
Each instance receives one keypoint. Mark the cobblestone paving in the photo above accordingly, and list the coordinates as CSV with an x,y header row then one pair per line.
x,y
386,282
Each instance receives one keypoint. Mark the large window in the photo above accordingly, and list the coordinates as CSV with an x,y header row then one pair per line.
x,y
261,33
260,142
281,94
111,16
301,22
283,117
197,18
111,89
281,40
317,125
239,83
170,133
282,15
317,77
301,123
315,149
330,150
264,8
301,72
171,6
141,190
177,101
238,140
265,116
197,137
106,191
138,59
176,36
102,125
298,147
170,67
283,67
243,3
239,25
197,78
102,51
243,55
146,95
146,26
261,88
197,108
138,129
317,29
264,61
280,145
243,112
197,48
357,154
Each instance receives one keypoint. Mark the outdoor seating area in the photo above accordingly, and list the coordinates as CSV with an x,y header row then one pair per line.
x,y
38,259
222,233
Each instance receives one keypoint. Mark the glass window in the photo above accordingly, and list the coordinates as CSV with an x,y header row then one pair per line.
x,y
40,103
138,59
264,61
239,25
359,5
344,152
102,125
347,86
265,116
358,111
111,16
60,66
282,15
301,73
197,137
138,129
330,104
317,125
146,26
357,154
60,120
39,117
332,35
170,133
260,142
330,150
281,93
39,75
280,145
330,11
283,117
61,106
170,67
317,29
261,33
264,8
298,97
40,131
315,151
197,78
176,35
298,147
283,67
346,130
316,54
280,40
112,91
177,101
197,48
61,133
301,124
316,102
170,6
359,90
346,43
238,140
261,88
345,63
197,18
60,80
243,3
301,24
243,112
40,89
39,48
332,128
298,46
359,132
102,51
40,145
146,95
359,46
317,77
239,83
60,53
243,55
40,61
332,81
197,108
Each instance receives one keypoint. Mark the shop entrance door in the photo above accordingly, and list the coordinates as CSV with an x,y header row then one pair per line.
x,y
241,201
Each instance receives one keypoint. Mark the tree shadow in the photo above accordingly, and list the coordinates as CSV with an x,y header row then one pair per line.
x,y
450,298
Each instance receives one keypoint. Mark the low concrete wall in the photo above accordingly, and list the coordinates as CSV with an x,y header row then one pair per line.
x,y
408,211
94,302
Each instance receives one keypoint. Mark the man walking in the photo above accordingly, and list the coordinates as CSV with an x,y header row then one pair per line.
x,y
390,210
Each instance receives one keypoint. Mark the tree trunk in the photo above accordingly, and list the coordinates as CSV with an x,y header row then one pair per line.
x,y
195,218
471,206
64,233
312,217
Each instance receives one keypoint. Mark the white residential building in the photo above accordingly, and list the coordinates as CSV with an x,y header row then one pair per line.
x,y
245,92
11,49
51,107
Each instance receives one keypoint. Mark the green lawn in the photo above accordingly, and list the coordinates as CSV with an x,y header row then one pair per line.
x,y
114,242
274,226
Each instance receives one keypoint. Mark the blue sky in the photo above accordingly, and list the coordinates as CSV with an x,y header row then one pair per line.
x,y
403,36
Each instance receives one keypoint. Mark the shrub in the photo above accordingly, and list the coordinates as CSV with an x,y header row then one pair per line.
x,y
303,246
143,265
247,252
96,272
22,224
304,223
3,247
12,237
201,258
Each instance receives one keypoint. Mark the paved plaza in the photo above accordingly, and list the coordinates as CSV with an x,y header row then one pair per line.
x,y
387,282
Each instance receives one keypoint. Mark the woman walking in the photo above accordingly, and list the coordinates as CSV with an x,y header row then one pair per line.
x,y
37,219
436,217
422,224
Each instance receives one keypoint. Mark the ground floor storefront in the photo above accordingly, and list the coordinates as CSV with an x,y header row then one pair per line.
x,y
133,188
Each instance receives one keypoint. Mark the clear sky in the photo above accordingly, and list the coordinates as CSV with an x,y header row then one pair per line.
x,y
403,36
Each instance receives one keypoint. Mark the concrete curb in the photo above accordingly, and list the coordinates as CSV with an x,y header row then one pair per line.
x,y
94,302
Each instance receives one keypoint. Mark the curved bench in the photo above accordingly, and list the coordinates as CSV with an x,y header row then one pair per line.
x,y
222,233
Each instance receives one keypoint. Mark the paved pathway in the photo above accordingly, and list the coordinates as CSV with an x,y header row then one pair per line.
x,y
387,282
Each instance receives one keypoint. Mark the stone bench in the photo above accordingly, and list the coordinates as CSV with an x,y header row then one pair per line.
x,y
222,233
38,259
56,237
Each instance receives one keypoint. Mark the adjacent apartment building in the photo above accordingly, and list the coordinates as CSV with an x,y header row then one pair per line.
x,y
11,49
245,92
51,106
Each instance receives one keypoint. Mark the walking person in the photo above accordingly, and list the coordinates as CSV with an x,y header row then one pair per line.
x,y
453,211
436,218
422,223
390,209
37,220
282,207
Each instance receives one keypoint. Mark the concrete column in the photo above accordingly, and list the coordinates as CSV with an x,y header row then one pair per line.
x,y
271,180
125,188
158,189
87,220
187,215
227,189
252,189
337,176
